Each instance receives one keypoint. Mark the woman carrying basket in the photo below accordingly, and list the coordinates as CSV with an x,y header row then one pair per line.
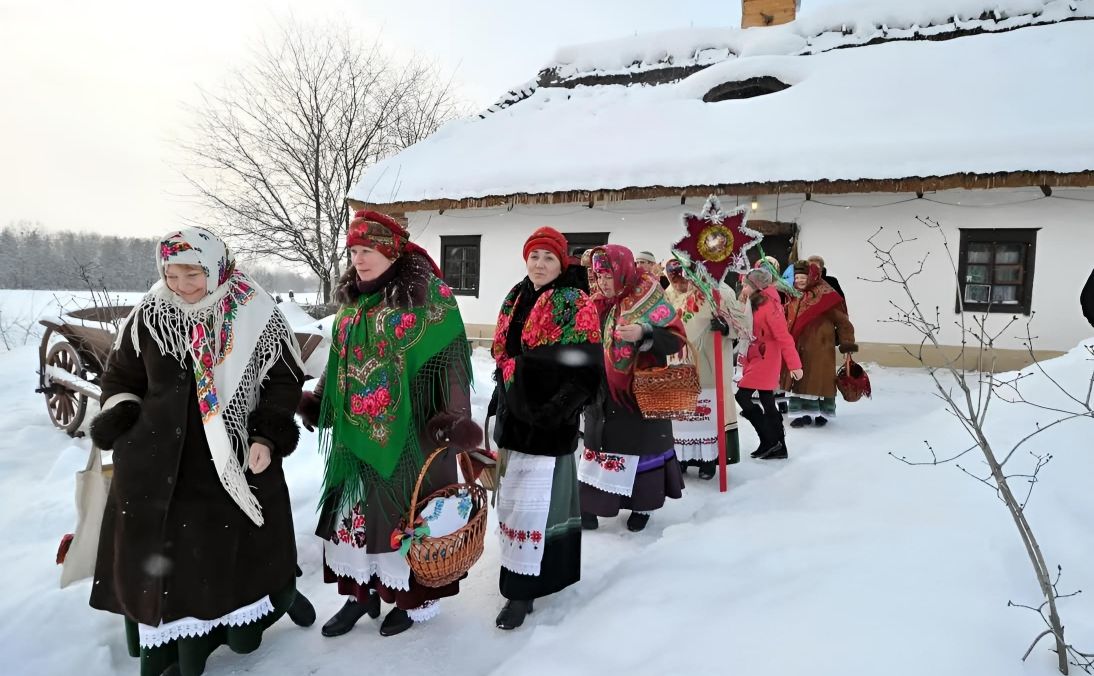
x,y
547,348
629,461
197,547
395,389
818,321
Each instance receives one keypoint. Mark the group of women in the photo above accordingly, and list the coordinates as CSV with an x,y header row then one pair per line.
x,y
199,397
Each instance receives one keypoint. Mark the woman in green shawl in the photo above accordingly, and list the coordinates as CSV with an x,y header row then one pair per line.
x,y
396,388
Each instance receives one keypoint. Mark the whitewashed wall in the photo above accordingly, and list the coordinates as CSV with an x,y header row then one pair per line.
x,y
834,226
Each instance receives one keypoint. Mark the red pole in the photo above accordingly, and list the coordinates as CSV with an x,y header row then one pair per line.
x,y
720,395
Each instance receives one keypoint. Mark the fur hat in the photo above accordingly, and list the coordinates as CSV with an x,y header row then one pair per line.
x,y
645,257
759,278
377,231
549,239
802,268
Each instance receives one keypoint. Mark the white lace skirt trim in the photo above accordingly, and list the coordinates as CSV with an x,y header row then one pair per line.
x,y
348,561
189,627
425,612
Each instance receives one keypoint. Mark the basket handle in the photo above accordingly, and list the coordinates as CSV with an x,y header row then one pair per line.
x,y
693,354
418,484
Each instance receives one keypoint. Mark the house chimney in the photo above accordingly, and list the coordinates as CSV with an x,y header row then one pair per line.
x,y
768,12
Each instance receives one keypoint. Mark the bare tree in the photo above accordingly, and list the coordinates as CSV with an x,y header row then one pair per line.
x,y
968,396
278,150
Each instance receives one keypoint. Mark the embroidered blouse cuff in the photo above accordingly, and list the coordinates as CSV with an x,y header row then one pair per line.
x,y
119,398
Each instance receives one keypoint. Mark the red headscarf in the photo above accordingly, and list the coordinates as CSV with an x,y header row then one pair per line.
x,y
384,234
817,298
549,239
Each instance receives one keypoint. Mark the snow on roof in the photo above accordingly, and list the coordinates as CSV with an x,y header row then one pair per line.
x,y
842,25
1012,101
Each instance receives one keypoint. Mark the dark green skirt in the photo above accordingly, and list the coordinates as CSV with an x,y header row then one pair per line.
x,y
192,653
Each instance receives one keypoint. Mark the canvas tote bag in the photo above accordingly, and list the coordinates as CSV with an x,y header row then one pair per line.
x,y
92,489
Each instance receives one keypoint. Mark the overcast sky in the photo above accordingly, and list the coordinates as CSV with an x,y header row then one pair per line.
x,y
93,93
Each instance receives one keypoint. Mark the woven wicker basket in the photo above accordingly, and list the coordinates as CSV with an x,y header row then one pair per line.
x,y
438,561
668,392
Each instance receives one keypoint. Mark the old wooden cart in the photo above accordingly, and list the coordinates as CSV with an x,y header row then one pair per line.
x,y
73,354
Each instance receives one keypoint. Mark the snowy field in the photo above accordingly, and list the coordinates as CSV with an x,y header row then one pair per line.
x,y
839,561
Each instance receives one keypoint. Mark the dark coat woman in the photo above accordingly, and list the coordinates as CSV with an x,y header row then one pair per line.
x,y
396,388
195,550
547,348
629,461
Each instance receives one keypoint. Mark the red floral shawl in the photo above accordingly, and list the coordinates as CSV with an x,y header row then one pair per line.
x,y
817,298
562,316
638,300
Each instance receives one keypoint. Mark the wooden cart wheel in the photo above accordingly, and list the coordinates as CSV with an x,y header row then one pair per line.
x,y
67,407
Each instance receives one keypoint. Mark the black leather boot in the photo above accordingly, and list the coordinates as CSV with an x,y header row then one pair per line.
x,y
347,617
776,437
302,612
589,521
708,469
755,416
396,622
637,521
513,614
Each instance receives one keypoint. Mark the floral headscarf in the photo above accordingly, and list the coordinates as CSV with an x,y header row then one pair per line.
x,y
638,299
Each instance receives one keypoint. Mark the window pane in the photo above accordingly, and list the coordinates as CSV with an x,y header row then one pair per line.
x,y
1004,295
977,274
976,293
980,253
1008,253
1008,274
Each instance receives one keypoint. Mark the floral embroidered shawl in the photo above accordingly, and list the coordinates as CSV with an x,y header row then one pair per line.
x,y
382,376
231,338
562,316
639,299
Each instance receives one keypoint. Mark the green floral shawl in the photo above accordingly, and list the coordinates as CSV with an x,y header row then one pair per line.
x,y
387,374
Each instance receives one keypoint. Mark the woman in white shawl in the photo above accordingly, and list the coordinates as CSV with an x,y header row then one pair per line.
x,y
197,547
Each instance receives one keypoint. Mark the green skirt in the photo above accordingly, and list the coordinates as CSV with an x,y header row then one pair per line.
x,y
192,653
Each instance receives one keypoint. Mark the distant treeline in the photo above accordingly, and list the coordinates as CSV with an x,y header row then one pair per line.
x,y
31,258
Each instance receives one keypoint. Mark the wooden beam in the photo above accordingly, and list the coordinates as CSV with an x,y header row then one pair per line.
x,y
911,184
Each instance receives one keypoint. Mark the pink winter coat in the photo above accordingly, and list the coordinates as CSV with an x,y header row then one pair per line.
x,y
771,346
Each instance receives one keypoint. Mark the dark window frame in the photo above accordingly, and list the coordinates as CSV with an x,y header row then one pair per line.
x,y
463,283
580,241
992,237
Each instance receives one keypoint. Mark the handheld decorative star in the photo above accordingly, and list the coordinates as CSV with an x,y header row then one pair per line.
x,y
718,240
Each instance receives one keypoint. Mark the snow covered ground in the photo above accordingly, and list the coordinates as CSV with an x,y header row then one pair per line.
x,y
838,561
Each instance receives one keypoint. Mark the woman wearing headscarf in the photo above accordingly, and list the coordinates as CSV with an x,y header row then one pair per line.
x,y
629,461
770,350
549,361
818,322
197,548
397,387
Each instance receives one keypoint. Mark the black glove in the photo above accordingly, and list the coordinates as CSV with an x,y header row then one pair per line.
x,y
719,325
114,422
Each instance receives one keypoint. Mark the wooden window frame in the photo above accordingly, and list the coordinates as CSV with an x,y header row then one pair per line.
x,y
993,236
451,241
580,241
